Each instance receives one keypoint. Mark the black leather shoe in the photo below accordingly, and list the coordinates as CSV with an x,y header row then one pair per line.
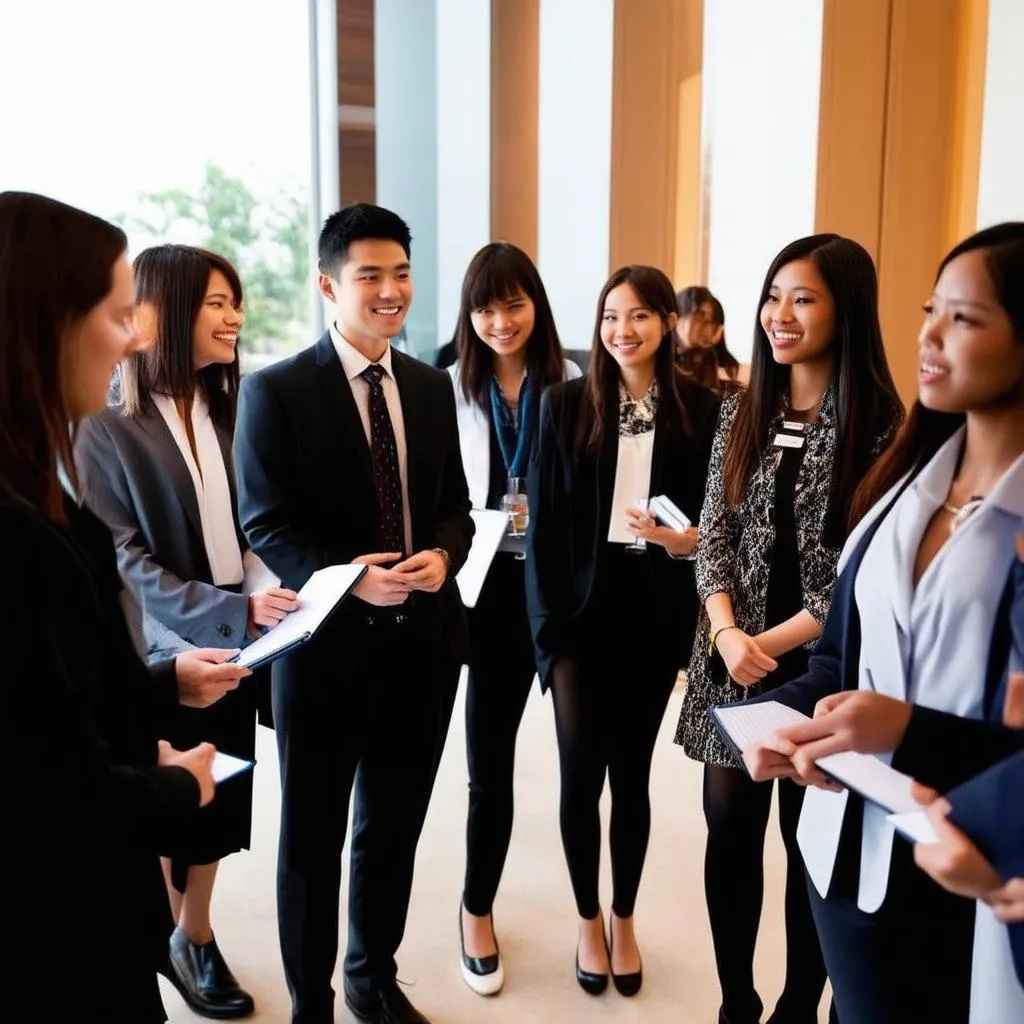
x,y
592,983
626,984
386,1005
205,981
485,975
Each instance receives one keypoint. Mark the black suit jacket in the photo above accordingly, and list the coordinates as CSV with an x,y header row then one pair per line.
x,y
134,477
86,809
306,495
570,512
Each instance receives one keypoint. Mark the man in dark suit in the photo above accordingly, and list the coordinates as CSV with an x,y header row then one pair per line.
x,y
349,452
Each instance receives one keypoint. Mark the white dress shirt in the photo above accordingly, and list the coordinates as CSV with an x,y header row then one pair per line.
x,y
353,362
213,493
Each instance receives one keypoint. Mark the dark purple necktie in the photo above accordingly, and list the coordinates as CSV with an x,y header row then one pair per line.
x,y
384,452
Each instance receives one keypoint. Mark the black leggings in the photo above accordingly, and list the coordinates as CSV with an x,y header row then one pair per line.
x,y
736,810
608,709
501,673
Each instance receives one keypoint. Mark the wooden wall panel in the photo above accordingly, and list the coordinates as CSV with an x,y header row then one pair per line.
x,y
852,119
515,98
357,157
691,236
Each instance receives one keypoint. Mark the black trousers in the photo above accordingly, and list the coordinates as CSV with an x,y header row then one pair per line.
x,y
609,704
737,810
909,961
379,723
501,672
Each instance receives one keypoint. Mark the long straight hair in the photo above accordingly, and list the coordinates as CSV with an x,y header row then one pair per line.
x,y
688,301
499,272
56,264
926,430
173,279
600,408
867,404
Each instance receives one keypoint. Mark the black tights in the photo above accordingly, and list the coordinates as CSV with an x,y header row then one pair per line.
x,y
607,715
736,810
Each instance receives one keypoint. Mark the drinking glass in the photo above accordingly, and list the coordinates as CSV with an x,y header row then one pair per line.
x,y
515,503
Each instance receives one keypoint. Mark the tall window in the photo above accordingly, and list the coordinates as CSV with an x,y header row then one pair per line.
x,y
185,122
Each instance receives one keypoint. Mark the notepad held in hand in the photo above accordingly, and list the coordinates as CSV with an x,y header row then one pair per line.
x,y
321,595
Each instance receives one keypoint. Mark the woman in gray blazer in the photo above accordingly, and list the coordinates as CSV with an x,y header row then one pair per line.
x,y
508,352
157,468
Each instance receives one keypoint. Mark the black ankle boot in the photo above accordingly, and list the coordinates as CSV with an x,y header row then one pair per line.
x,y
205,981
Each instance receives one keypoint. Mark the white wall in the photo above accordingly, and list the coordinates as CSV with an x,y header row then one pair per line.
x,y
762,81
1001,183
574,161
463,147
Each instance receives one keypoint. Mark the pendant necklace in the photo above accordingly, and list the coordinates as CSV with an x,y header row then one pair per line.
x,y
961,513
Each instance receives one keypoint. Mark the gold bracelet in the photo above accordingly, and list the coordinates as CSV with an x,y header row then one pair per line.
x,y
714,639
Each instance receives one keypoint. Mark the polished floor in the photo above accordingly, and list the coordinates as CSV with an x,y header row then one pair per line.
x,y
534,914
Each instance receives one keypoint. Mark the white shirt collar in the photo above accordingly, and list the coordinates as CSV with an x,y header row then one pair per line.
x,y
353,362
935,478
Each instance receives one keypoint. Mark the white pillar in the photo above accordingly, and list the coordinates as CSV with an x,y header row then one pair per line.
x,y
762,81
1001,179
575,137
405,85
463,147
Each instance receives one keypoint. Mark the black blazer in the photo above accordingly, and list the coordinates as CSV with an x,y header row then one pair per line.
x,y
134,477
86,809
570,513
305,477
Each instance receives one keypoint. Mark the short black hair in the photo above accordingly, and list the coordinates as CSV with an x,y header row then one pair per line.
x,y
354,223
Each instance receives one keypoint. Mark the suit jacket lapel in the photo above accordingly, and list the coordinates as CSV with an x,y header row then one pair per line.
x,y
152,423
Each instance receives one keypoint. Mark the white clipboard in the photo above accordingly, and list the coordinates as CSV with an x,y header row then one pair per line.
x,y
491,526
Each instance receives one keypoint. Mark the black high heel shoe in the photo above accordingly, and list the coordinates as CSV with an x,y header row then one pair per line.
x,y
592,983
625,984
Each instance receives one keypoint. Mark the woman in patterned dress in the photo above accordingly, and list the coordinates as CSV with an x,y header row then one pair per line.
x,y
787,457
613,619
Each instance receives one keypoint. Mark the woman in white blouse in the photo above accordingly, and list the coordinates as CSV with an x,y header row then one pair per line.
x,y
157,468
917,633
611,594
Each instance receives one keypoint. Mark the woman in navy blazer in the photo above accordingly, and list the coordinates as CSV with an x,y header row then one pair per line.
x,y
613,626
925,575
509,353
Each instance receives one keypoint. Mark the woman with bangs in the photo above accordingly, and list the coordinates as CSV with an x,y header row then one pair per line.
x,y
611,595
701,350
509,353
158,470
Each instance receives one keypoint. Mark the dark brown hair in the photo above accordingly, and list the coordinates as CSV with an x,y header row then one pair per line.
x,y
173,279
867,405
599,411
497,273
56,264
926,430
688,301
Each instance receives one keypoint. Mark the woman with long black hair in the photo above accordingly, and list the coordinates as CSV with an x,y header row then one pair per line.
x,y
611,595
788,455
509,353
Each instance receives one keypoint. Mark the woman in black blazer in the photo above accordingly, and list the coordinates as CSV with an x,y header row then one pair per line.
x,y
90,794
611,596
157,469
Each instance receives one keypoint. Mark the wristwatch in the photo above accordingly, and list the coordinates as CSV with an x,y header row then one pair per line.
x,y
447,561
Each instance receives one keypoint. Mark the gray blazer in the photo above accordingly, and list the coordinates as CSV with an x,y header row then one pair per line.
x,y
134,478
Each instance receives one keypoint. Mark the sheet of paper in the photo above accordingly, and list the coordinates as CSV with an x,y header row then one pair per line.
x,y
317,599
491,525
226,765
873,779
915,826
751,723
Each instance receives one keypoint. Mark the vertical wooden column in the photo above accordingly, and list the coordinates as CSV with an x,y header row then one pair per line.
x,y
356,102
515,69
691,235
648,52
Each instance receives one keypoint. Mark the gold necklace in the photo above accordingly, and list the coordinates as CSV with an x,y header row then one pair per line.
x,y
961,513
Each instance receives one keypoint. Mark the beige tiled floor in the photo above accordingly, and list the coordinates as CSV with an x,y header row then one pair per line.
x,y
534,913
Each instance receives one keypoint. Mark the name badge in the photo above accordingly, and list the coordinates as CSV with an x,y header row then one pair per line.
x,y
791,425
788,441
